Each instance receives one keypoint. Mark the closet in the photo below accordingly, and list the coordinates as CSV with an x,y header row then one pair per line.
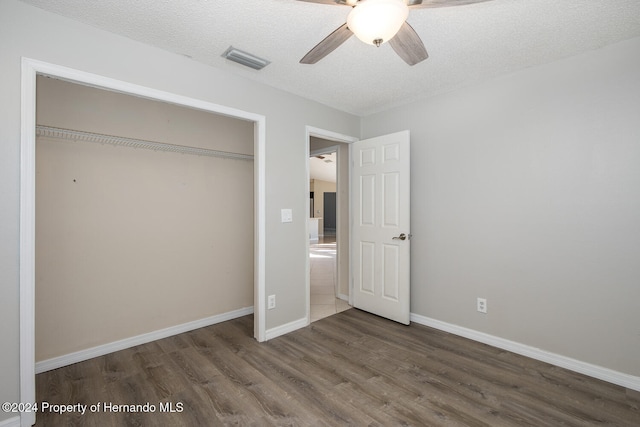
x,y
144,216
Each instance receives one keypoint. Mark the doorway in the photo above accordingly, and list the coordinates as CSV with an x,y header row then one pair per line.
x,y
32,68
323,271
331,249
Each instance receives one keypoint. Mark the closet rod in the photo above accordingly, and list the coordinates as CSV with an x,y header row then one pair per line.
x,y
53,132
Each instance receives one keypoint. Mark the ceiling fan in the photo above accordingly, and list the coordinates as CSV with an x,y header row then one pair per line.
x,y
380,21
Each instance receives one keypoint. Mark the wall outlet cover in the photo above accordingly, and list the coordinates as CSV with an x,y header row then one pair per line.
x,y
482,305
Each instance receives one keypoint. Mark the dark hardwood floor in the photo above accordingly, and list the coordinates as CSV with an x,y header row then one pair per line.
x,y
349,369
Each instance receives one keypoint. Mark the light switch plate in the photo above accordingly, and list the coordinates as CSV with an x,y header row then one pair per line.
x,y
287,215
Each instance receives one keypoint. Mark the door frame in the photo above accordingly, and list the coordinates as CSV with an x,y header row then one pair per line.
x,y
340,138
30,69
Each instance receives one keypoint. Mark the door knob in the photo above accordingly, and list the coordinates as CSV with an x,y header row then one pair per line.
x,y
402,236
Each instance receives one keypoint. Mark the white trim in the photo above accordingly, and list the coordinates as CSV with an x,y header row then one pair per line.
x,y
330,135
30,68
344,297
307,261
101,350
27,240
260,239
286,328
11,422
307,244
102,82
599,372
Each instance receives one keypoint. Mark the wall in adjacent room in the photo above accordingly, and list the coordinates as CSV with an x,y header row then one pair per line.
x,y
319,187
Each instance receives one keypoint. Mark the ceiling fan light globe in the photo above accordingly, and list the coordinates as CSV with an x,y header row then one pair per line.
x,y
372,20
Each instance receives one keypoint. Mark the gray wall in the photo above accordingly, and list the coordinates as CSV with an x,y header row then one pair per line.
x,y
33,33
526,191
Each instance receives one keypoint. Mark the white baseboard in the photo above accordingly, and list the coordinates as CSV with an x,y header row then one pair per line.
x,y
344,297
286,328
101,350
11,422
605,374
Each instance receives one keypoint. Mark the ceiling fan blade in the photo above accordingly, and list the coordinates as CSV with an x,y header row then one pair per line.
x,y
411,3
418,4
334,2
328,45
408,45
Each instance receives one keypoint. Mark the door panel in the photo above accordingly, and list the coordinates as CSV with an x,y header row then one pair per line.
x,y
380,196
367,267
367,200
391,199
390,285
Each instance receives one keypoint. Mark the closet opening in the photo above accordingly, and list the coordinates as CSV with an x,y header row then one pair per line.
x,y
161,205
144,219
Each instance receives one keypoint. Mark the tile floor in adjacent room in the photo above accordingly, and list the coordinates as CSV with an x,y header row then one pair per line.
x,y
323,279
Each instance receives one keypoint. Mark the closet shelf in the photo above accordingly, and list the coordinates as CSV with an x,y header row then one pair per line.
x,y
76,135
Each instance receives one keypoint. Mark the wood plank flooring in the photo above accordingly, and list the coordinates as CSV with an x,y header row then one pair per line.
x,y
349,369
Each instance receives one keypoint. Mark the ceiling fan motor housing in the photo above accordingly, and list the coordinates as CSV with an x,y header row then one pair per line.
x,y
376,21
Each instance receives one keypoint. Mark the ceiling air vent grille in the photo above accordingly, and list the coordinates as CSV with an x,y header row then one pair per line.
x,y
244,58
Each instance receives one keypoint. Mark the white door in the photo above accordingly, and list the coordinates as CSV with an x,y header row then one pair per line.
x,y
380,228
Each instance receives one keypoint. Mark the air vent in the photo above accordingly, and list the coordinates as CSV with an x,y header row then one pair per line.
x,y
244,58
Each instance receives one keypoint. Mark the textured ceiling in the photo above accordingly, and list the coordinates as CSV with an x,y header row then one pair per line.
x,y
466,44
323,167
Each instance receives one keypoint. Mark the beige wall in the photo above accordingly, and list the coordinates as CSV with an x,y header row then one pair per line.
x,y
130,241
319,187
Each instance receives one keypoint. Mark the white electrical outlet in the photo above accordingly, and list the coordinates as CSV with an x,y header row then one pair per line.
x,y
482,305
271,302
